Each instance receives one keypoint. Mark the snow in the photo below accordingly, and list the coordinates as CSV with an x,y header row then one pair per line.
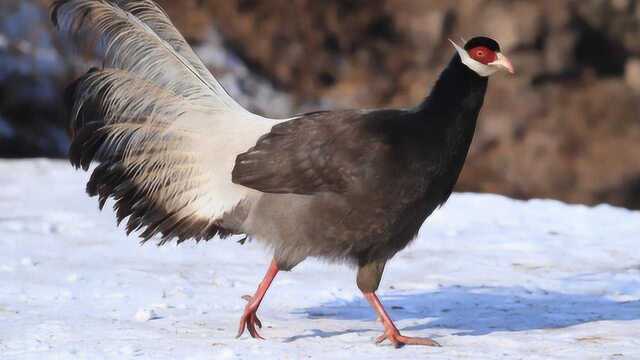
x,y
488,278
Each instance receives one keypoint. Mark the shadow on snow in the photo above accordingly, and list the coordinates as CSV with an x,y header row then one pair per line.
x,y
481,310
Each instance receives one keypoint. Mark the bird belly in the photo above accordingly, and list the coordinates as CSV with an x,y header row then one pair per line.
x,y
330,227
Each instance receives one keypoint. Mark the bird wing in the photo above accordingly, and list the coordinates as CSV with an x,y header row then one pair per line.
x,y
318,152
164,130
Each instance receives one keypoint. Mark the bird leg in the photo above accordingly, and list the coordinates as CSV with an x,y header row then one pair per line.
x,y
391,332
249,319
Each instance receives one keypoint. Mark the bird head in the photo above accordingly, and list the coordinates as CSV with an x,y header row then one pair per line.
x,y
482,55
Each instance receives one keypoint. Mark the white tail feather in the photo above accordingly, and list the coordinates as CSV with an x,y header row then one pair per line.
x,y
169,123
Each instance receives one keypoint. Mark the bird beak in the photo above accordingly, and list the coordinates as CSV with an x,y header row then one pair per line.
x,y
503,63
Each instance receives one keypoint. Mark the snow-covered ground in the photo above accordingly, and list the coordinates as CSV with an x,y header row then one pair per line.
x,y
489,277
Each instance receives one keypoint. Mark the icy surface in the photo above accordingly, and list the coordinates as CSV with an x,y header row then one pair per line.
x,y
489,278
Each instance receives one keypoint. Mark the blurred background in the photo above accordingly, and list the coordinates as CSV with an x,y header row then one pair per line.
x,y
566,127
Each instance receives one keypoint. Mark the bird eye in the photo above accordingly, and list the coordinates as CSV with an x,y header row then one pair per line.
x,y
480,53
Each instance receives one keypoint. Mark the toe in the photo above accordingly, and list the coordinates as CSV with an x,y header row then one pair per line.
x,y
251,325
399,340
417,341
242,326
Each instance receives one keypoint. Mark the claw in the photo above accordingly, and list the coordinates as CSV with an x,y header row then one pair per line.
x,y
391,332
249,298
399,340
249,320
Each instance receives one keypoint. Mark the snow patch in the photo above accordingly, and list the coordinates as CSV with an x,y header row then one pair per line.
x,y
488,277
146,315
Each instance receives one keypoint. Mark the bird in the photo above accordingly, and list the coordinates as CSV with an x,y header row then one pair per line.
x,y
182,160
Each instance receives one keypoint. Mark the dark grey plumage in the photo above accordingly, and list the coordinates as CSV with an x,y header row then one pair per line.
x,y
183,160
365,181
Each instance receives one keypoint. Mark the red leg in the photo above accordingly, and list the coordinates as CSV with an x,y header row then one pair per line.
x,y
391,332
249,319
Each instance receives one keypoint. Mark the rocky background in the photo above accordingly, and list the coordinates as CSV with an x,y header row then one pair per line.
x,y
567,126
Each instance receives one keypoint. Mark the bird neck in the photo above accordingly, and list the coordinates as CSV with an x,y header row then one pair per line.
x,y
459,90
448,116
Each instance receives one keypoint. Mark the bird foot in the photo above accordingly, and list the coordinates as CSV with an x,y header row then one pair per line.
x,y
250,319
393,335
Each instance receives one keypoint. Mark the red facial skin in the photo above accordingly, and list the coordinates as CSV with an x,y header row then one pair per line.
x,y
483,54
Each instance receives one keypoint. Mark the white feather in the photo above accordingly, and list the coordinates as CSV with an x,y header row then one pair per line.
x,y
175,127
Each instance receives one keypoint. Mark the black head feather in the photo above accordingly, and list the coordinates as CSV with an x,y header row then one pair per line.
x,y
482,41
